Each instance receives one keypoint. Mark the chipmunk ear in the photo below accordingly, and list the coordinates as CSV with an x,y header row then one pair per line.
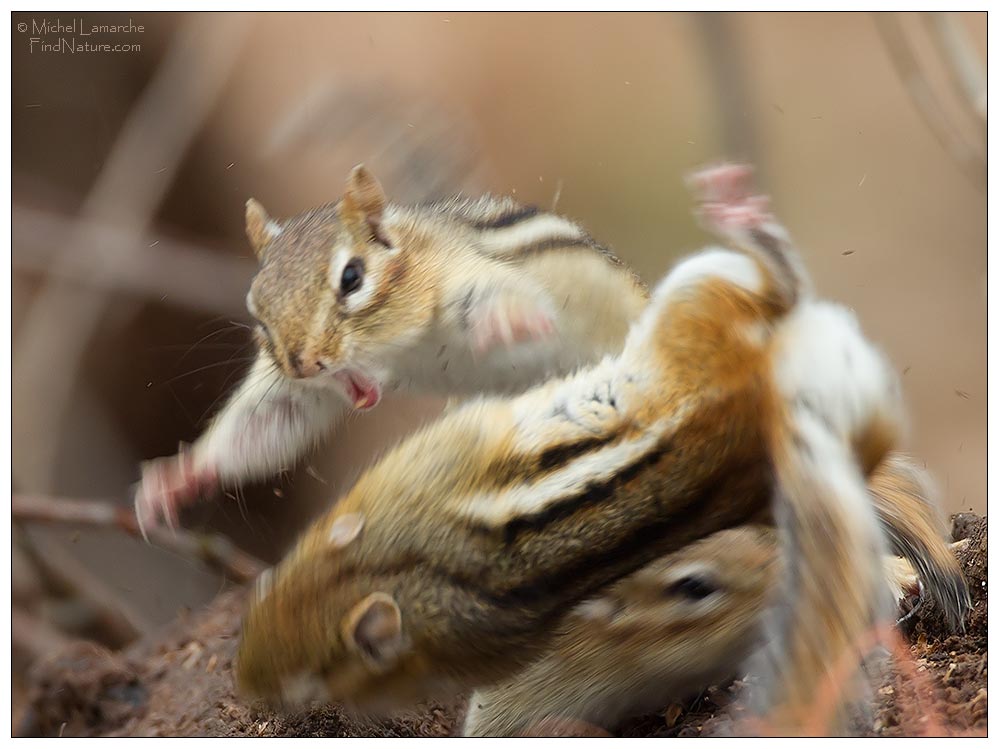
x,y
373,628
364,201
260,228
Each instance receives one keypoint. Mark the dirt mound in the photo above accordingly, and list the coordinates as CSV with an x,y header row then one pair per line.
x,y
180,683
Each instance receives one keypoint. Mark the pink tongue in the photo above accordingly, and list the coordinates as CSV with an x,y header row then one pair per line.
x,y
365,396
362,391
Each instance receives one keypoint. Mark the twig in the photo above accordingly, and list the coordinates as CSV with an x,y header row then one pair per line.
x,y
137,173
427,151
965,69
118,622
184,273
34,636
971,163
216,552
726,68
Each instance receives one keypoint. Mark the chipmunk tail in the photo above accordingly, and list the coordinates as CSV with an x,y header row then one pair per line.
x,y
905,500
839,415
833,592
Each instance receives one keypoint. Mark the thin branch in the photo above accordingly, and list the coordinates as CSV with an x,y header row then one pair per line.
x,y
137,173
118,622
914,80
34,636
426,150
727,71
216,552
966,71
181,273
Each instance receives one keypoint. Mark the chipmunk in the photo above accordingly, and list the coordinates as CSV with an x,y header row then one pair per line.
x,y
678,625
683,623
512,233
454,560
477,275
361,296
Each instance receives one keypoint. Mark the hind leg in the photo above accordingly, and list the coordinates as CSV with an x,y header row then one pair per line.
x,y
730,206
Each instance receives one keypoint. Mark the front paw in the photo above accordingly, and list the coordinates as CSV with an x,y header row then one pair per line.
x,y
506,319
167,484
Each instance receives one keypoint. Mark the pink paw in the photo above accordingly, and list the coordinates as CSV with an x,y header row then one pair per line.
x,y
167,484
727,202
724,183
506,319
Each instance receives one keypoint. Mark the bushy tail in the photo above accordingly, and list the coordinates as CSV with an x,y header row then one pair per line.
x,y
840,414
905,501
833,593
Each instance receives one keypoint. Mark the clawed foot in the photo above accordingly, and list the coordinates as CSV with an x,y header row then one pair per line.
x,y
167,484
506,319
909,606
728,205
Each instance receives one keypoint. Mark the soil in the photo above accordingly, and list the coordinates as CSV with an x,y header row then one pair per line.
x,y
180,683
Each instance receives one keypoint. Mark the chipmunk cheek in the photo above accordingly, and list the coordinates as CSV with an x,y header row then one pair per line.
x,y
302,688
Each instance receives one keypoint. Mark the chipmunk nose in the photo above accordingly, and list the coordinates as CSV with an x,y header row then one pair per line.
x,y
304,366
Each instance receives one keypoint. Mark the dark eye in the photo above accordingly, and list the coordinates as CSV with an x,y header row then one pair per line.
x,y
693,588
353,275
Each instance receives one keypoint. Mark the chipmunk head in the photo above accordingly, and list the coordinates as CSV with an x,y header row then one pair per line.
x,y
692,609
681,622
334,290
327,625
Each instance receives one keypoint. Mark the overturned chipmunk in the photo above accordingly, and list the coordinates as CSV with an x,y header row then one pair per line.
x,y
454,561
502,264
677,626
460,297
361,296
478,274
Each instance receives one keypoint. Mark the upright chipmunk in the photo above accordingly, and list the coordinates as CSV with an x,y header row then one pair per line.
x,y
360,296
453,561
681,624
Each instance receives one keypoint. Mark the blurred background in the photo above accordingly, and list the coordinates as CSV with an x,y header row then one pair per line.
x,y
132,163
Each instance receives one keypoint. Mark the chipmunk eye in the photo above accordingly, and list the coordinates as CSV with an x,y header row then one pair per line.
x,y
353,275
693,588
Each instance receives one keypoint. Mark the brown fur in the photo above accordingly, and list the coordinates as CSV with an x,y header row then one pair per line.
x,y
438,260
645,642
477,606
906,504
479,581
